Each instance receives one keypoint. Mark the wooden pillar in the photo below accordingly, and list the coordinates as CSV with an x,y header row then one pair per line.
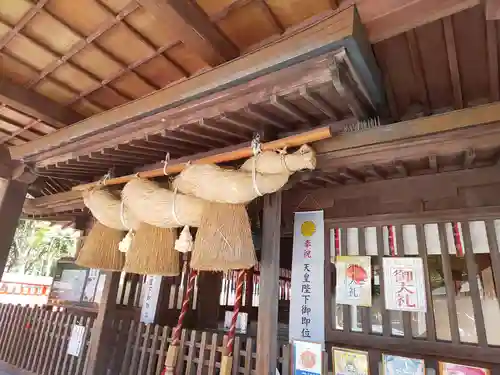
x,y
102,332
267,332
12,197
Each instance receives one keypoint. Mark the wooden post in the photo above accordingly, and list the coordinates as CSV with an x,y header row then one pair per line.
x,y
102,332
267,332
12,197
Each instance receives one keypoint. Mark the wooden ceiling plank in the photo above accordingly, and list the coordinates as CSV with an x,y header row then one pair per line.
x,y
318,102
215,141
270,16
22,22
210,125
166,138
129,149
239,122
492,10
194,27
350,175
20,131
266,118
288,108
36,105
316,40
433,163
491,36
85,41
418,71
401,168
384,20
451,49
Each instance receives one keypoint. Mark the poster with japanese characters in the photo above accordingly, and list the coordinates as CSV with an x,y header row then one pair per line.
x,y
354,285
350,362
446,368
404,284
307,302
150,300
307,358
396,365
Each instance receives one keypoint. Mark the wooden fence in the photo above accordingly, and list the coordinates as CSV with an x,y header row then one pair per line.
x,y
36,340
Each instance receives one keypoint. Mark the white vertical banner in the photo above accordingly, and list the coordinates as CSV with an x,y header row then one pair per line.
x,y
307,303
404,284
150,301
76,340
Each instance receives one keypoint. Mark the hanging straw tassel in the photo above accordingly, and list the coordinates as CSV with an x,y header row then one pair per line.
x,y
100,249
227,358
173,350
152,252
224,240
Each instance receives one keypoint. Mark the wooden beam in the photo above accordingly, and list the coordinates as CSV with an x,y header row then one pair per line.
x,y
451,49
418,70
342,29
102,332
36,105
267,329
12,196
386,18
492,10
492,40
348,143
195,29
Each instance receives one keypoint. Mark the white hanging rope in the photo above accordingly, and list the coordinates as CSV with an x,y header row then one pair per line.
x,y
283,154
122,214
165,163
174,214
256,149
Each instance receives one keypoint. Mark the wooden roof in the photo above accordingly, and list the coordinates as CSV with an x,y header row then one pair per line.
x,y
67,61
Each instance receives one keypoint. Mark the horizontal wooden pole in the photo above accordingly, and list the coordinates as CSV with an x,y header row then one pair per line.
x,y
176,166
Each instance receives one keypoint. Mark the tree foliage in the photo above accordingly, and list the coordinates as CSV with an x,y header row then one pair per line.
x,y
37,246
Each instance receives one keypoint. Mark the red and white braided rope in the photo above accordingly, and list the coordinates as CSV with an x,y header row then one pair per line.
x,y
176,334
237,305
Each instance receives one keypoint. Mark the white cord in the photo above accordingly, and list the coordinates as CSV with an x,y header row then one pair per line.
x,y
165,163
283,153
122,214
256,149
174,214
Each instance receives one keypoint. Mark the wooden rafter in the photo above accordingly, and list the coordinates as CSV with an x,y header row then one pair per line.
x,y
492,41
492,10
36,105
451,49
383,19
418,71
194,28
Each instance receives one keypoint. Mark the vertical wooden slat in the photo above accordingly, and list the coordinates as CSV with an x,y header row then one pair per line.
x,y
236,356
135,353
346,309
72,358
6,327
44,349
30,342
181,359
24,337
44,363
400,243
153,348
4,312
144,351
429,315
65,369
472,274
212,357
58,340
248,357
373,361
37,341
162,350
203,348
449,284
191,353
18,329
128,348
494,255
365,311
84,352
6,340
63,344
386,318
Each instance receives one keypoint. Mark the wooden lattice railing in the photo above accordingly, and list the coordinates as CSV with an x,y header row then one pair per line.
x,y
36,340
